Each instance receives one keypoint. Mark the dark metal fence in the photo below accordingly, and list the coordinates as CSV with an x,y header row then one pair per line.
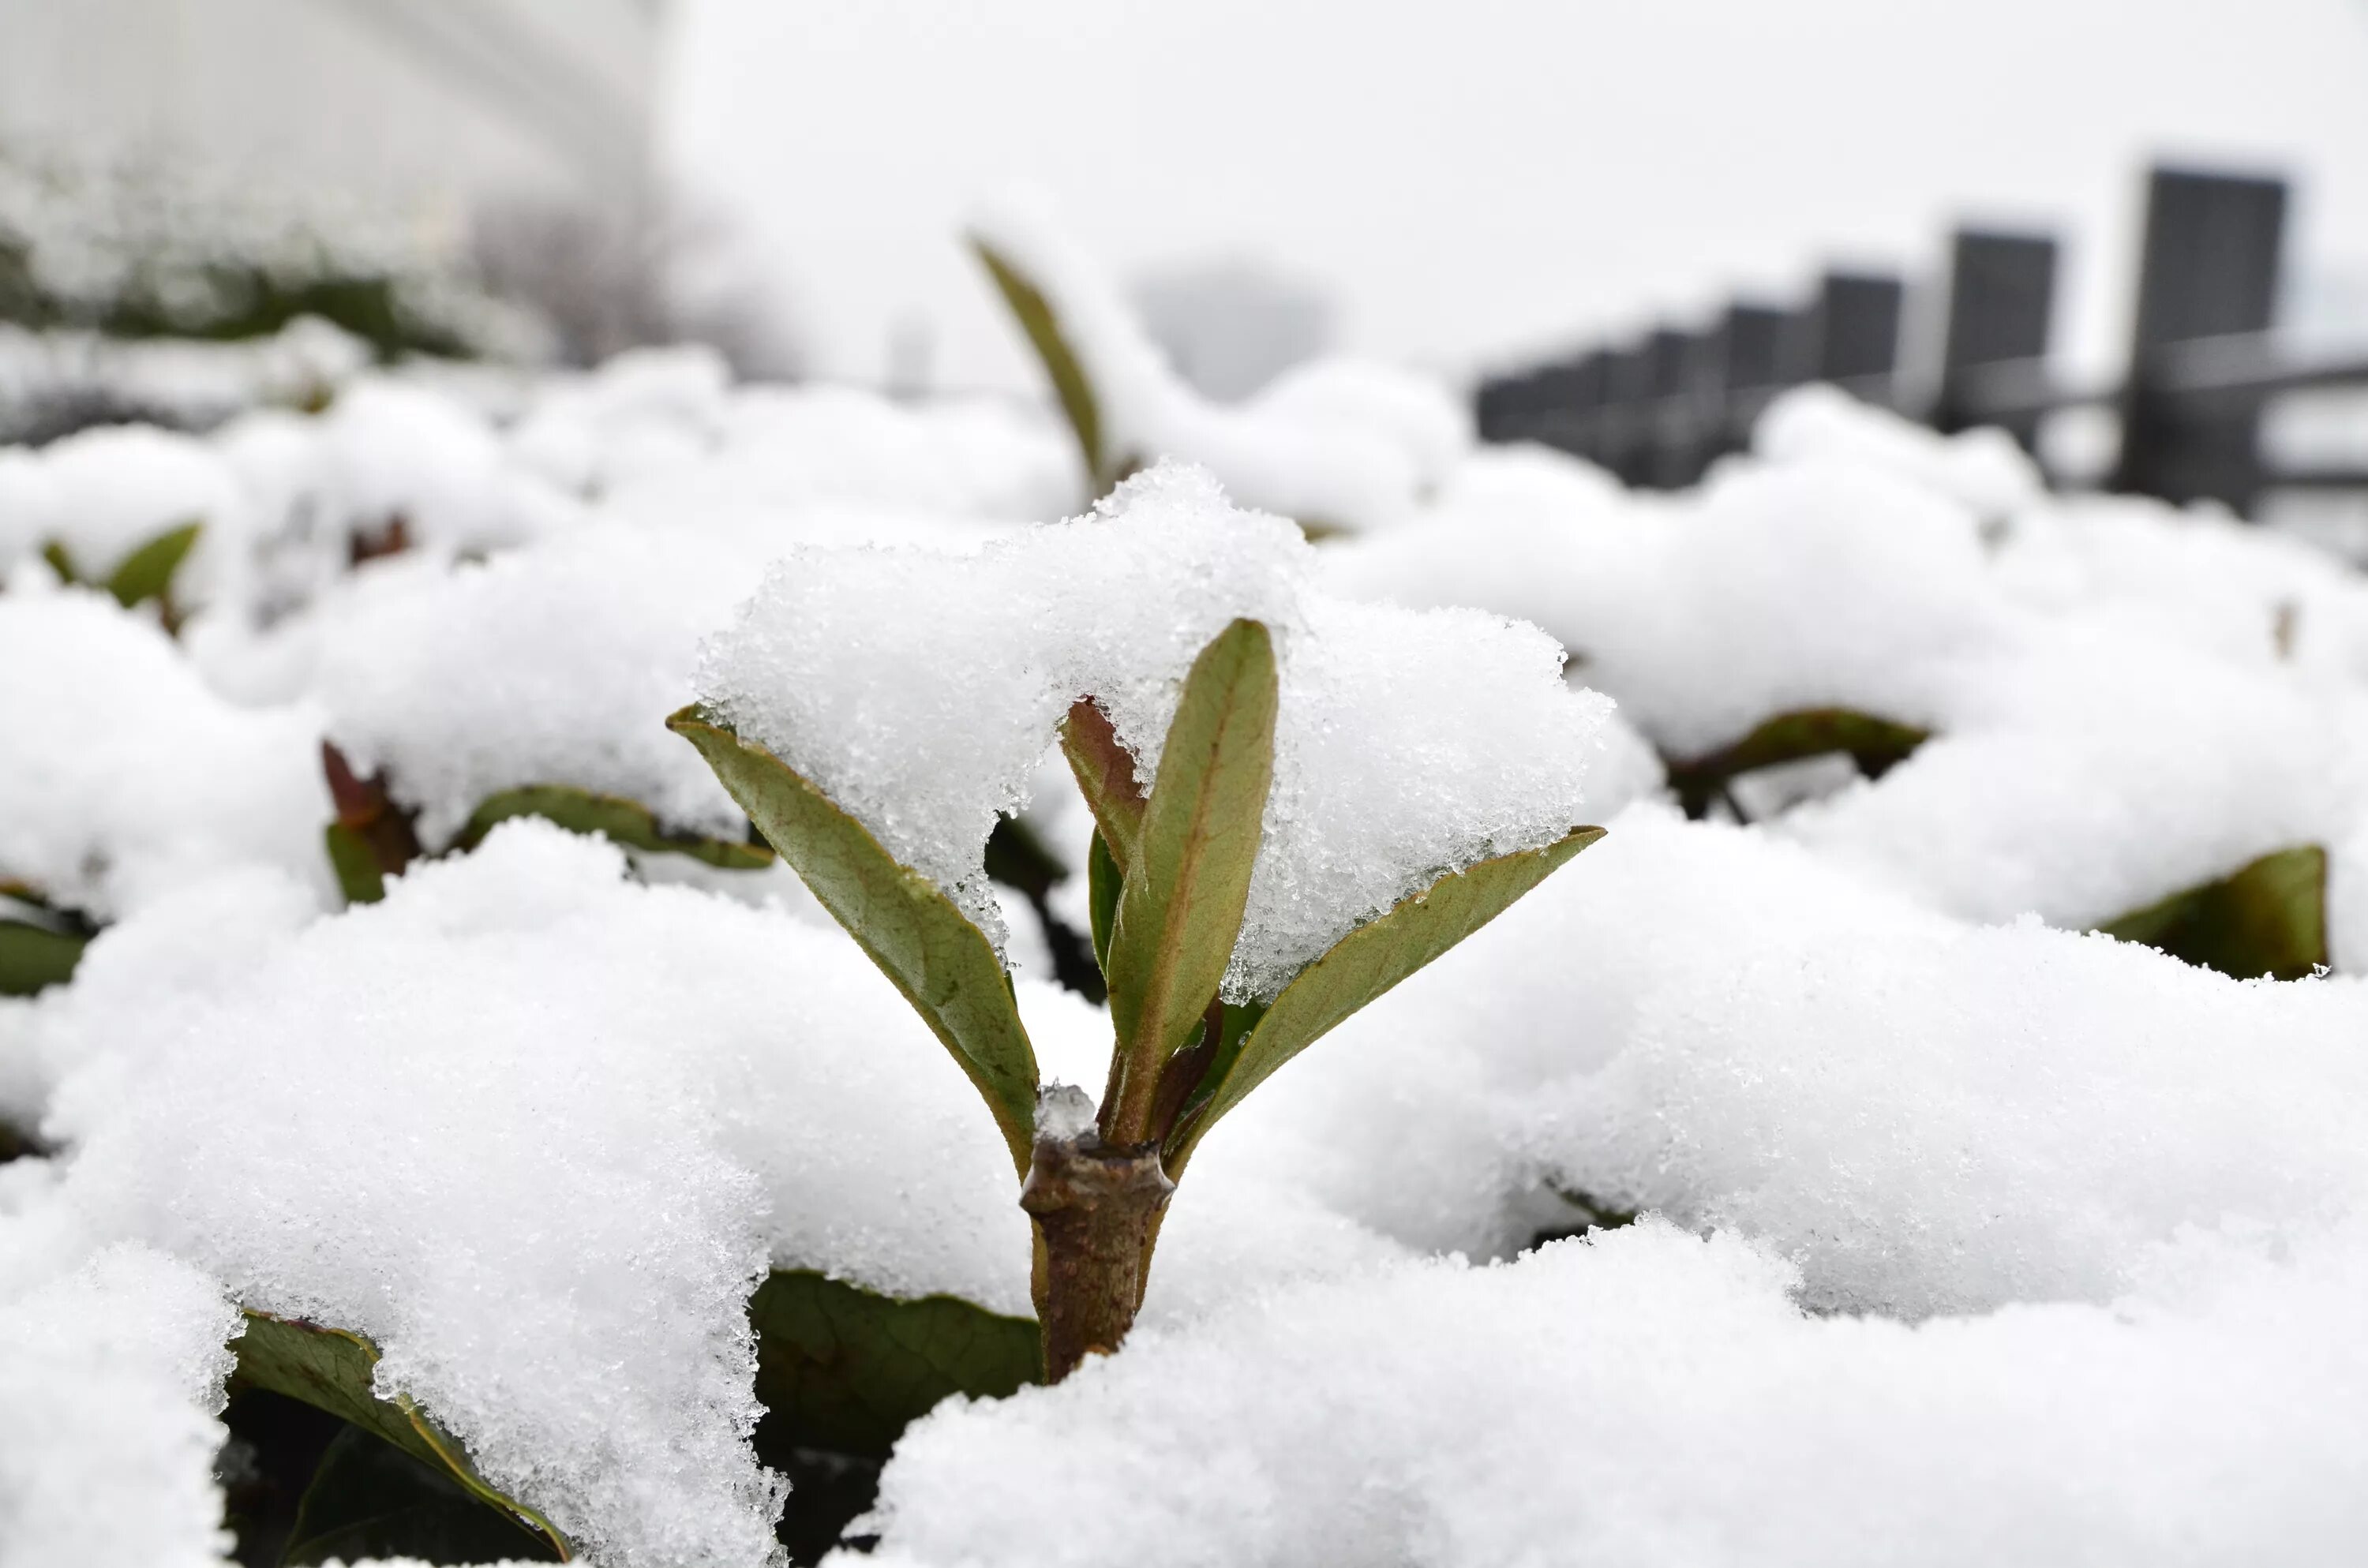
x,y
2202,363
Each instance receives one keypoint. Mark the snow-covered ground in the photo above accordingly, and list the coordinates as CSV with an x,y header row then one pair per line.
x,y
1968,1235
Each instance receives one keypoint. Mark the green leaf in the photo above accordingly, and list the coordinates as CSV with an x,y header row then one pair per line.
x,y
1876,745
2269,917
355,864
1367,962
1070,382
61,562
371,1499
943,964
845,1369
1105,774
1103,882
147,571
33,957
1189,879
622,820
332,1370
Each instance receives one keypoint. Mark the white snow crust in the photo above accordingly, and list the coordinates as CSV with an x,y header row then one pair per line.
x,y
110,1372
125,777
1649,1396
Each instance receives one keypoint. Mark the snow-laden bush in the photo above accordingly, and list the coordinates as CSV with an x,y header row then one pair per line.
x,y
401,1170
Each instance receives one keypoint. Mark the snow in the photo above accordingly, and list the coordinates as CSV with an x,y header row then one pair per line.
x,y
59,374
1923,1114
116,487
776,450
1649,1396
1772,589
1983,470
2073,785
1968,1236
556,666
126,776
584,1129
919,689
593,1207
110,1371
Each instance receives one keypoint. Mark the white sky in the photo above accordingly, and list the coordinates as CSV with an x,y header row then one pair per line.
x,y
1478,179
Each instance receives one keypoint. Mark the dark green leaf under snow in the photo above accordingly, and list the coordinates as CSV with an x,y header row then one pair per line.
x,y
843,1369
2269,917
333,1370
622,820
354,863
34,957
1875,745
147,572
371,1499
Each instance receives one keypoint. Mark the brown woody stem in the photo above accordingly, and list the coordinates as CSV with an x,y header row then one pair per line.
x,y
1095,1208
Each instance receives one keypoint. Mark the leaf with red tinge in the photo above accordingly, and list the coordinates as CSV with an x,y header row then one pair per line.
x,y
1104,773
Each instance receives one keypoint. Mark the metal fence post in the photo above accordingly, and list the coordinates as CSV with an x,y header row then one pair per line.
x,y
1854,329
1627,432
1671,413
1756,358
2209,267
2001,305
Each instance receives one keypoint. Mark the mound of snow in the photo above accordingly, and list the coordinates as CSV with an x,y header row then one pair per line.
x,y
919,688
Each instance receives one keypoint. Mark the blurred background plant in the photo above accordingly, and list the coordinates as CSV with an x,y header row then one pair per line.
x,y
469,182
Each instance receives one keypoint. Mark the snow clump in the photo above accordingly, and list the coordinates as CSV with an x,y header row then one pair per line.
x,y
918,688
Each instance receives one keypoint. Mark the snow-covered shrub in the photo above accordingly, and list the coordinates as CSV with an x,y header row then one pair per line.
x,y
544,1191
1298,803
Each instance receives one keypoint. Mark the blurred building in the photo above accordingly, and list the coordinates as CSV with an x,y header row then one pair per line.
x,y
432,109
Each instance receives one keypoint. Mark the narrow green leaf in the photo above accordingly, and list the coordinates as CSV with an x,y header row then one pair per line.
x,y
1876,745
33,957
147,571
1070,382
847,1370
2268,917
355,864
371,1499
1367,962
1103,882
1105,774
332,1370
943,964
1187,884
60,560
622,820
